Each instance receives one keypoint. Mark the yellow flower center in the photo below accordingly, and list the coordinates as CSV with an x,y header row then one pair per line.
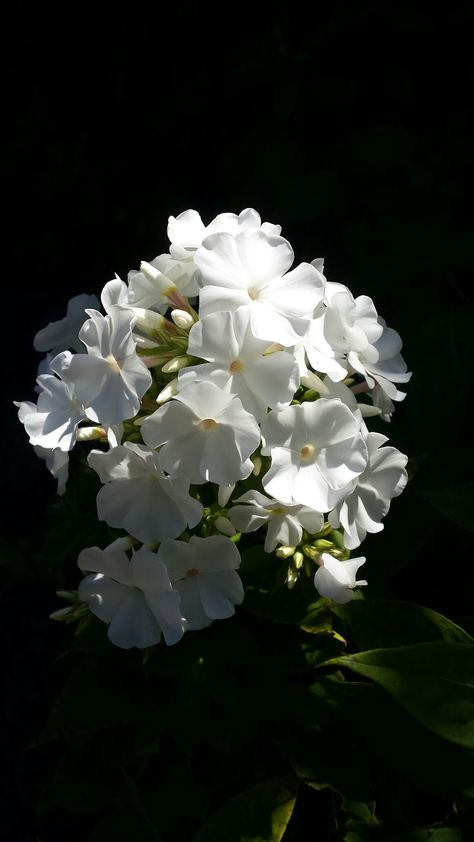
x,y
207,424
236,366
307,452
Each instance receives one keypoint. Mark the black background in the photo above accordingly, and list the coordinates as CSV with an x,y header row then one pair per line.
x,y
350,129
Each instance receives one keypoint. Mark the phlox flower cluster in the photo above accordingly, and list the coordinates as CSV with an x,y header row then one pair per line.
x,y
226,393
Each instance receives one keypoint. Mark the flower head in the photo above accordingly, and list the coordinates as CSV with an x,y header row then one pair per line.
x,y
337,579
205,434
316,449
204,574
110,379
135,597
139,497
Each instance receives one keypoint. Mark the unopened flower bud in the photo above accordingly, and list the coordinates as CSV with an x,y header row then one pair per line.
x,y
148,319
312,381
62,613
285,552
160,281
175,364
90,433
322,545
298,559
224,525
312,553
182,319
367,410
291,578
257,464
224,493
120,544
168,392
70,595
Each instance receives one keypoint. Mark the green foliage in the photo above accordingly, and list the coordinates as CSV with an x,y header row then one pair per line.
x,y
433,681
260,814
385,622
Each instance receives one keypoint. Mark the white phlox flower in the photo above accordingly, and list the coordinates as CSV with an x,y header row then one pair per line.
x,y
382,364
116,294
337,579
186,233
314,349
52,422
316,450
384,478
204,434
187,230
57,463
110,379
63,334
359,410
138,497
383,403
203,572
349,324
135,597
251,270
151,285
237,362
44,367
284,524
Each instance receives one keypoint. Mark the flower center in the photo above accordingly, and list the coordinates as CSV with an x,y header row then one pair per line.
x,y
307,452
253,293
236,366
192,573
113,363
207,424
278,510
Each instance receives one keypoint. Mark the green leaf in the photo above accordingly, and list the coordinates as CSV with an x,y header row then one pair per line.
x,y
383,834
380,623
433,681
260,814
397,739
456,502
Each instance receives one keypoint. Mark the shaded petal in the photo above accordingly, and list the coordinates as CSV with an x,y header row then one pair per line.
x,y
191,605
166,608
103,596
134,625
113,564
220,591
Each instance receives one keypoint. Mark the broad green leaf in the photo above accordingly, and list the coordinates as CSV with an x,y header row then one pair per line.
x,y
456,502
433,681
384,623
384,834
388,731
260,814
365,811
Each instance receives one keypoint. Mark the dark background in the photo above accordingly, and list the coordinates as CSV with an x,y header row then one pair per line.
x,y
350,129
